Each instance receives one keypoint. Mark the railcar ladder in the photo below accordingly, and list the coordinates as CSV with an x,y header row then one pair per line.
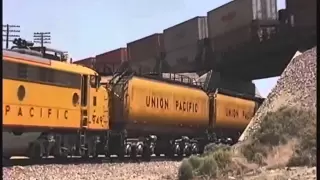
x,y
84,126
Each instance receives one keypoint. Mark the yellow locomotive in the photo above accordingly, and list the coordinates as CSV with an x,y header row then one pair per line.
x,y
52,107
47,100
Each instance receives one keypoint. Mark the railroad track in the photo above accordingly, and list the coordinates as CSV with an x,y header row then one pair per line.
x,y
23,161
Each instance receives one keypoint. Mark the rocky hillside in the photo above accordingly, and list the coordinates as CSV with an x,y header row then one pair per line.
x,y
295,87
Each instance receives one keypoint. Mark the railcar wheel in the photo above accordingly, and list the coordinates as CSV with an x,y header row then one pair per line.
x,y
6,157
120,156
35,151
93,148
134,153
169,153
61,153
146,154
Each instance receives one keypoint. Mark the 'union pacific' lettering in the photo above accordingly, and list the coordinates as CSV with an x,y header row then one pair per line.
x,y
230,112
32,111
157,102
163,103
187,106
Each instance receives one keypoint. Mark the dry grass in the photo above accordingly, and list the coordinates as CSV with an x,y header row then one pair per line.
x,y
288,128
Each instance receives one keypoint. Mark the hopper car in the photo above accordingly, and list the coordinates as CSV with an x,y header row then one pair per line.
x,y
54,108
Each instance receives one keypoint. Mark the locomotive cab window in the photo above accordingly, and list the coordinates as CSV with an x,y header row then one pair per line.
x,y
98,81
94,81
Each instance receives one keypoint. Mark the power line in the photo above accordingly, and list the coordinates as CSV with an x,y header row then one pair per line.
x,y
42,38
10,31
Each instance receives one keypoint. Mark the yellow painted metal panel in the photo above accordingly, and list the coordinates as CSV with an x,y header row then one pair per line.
x,y
155,102
43,105
232,112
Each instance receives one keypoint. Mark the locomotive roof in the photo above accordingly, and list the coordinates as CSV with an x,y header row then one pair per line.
x,y
40,61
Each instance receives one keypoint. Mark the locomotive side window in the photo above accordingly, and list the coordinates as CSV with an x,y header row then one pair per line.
x,y
25,72
50,76
42,75
9,70
22,71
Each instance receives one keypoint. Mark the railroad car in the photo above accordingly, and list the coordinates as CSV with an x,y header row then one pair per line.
x,y
50,107
231,113
153,116
54,108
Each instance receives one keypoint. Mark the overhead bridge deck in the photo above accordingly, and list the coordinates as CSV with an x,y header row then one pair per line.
x,y
266,59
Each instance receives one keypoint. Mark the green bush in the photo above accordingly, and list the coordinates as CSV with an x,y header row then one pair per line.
x,y
222,157
212,147
195,161
208,167
185,170
211,164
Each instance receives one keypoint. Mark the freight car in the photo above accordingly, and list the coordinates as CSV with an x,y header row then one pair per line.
x,y
173,118
60,109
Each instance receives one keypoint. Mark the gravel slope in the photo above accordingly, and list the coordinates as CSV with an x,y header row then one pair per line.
x,y
115,171
296,173
296,87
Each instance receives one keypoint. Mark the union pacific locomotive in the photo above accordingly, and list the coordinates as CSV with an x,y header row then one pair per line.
x,y
55,108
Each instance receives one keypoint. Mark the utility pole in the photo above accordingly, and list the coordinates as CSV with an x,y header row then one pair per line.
x,y
42,38
8,30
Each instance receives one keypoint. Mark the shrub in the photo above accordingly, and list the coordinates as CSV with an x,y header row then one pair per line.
x,y
195,161
209,167
212,147
277,128
222,158
185,170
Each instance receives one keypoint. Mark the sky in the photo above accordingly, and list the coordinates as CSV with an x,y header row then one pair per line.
x,y
86,28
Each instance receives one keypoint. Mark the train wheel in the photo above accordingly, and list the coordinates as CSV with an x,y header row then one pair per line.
x,y
95,154
35,151
93,148
60,152
6,157
188,154
120,156
169,153
146,154
133,154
